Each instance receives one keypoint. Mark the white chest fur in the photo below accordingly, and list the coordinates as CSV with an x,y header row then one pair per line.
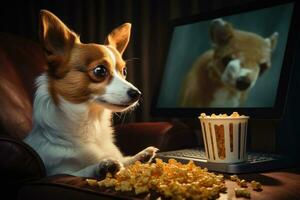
x,y
65,137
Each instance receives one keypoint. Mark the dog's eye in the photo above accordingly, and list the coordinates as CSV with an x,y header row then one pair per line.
x,y
99,73
262,68
226,60
124,71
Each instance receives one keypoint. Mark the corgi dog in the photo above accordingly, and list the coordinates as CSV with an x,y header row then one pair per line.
x,y
224,75
75,98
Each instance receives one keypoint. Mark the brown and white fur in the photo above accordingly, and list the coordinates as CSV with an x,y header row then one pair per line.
x,y
223,76
74,101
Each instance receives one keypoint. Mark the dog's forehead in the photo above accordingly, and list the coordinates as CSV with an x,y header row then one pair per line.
x,y
249,48
117,56
91,53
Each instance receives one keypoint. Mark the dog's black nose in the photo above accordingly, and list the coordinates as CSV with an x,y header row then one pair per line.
x,y
243,83
134,94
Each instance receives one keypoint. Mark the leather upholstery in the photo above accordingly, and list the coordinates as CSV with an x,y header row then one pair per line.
x,y
21,60
134,137
21,162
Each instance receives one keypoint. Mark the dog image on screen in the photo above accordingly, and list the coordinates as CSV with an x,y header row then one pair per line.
x,y
224,75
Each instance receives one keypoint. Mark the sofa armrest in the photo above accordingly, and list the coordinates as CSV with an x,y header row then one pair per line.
x,y
134,137
19,162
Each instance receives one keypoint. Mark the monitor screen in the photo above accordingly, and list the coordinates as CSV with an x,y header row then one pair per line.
x,y
230,60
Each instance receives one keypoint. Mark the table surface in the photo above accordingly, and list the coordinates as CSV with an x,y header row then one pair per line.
x,y
277,185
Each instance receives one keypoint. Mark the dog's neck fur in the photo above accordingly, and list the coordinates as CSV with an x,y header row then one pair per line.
x,y
67,121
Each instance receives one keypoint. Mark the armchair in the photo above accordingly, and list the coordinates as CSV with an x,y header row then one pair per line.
x,y
22,172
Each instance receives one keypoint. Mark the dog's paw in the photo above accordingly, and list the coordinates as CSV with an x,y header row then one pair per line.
x,y
147,154
108,166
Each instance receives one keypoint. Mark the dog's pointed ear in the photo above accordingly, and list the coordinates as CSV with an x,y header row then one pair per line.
x,y
220,32
272,40
55,36
119,37
57,41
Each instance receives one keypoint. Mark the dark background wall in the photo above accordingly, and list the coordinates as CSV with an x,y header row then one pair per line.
x,y
94,19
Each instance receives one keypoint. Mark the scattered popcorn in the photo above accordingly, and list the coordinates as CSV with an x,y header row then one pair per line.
x,y
141,189
242,183
122,186
234,177
242,192
256,186
92,182
108,183
172,179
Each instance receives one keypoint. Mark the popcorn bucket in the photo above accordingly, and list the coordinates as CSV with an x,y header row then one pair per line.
x,y
225,138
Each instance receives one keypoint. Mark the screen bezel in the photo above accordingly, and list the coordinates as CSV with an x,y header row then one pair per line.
x,y
275,112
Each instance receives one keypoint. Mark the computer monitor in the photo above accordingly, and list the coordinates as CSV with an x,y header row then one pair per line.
x,y
234,59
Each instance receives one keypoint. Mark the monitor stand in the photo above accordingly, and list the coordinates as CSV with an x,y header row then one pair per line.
x,y
257,162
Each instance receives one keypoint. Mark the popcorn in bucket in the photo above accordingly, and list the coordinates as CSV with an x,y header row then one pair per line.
x,y
225,137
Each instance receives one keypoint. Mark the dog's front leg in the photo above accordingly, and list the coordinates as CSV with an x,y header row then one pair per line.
x,y
144,156
100,170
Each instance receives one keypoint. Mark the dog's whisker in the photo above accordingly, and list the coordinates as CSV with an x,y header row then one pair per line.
x,y
132,60
118,115
124,116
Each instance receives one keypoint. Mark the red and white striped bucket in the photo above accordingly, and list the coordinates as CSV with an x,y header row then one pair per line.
x,y
225,138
